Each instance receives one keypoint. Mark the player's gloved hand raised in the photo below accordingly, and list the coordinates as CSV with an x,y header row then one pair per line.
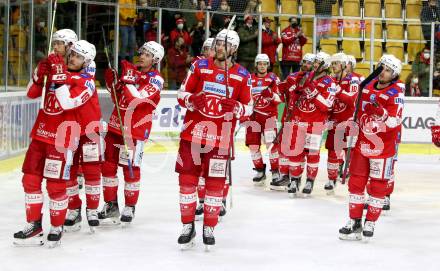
x,y
110,76
232,106
43,69
376,110
198,101
435,131
310,91
129,74
58,69
267,93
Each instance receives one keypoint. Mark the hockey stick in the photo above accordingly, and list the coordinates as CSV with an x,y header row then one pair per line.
x,y
49,48
367,80
130,165
232,148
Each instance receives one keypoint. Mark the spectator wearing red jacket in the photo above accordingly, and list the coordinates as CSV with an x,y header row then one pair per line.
x,y
293,40
179,31
151,34
177,62
270,41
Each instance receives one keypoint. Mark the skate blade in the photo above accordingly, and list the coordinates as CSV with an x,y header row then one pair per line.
x,y
221,218
36,241
187,246
385,213
92,229
350,237
259,184
293,195
125,224
330,192
305,195
109,222
73,228
278,188
53,244
208,248
366,240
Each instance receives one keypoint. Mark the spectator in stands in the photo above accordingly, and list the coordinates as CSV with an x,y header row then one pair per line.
x,y
252,6
180,31
40,39
436,81
420,71
293,40
430,13
219,20
198,36
127,15
247,50
139,27
270,41
323,10
151,34
177,62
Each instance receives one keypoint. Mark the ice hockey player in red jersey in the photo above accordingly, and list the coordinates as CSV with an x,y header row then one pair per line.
x,y
263,121
372,160
289,97
307,124
138,94
206,138
51,150
336,142
435,129
79,92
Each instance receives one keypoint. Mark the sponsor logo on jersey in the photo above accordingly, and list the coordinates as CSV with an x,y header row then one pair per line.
x,y
257,90
202,63
236,77
84,75
206,71
156,82
216,88
392,92
398,100
219,78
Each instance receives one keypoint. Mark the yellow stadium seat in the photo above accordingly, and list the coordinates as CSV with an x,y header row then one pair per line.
x,y
352,8
269,6
329,46
406,71
372,8
396,49
363,68
352,28
377,51
307,26
395,31
413,8
377,30
335,9
413,49
308,7
393,9
352,47
415,32
288,6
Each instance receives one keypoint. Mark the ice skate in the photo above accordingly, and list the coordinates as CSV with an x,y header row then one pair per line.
x,y
186,238
386,205
92,219
368,231
199,211
109,214
329,187
293,187
352,231
54,236
30,236
308,188
260,176
275,175
127,215
73,220
208,237
280,184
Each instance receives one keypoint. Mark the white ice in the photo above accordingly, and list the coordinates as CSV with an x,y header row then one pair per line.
x,y
264,230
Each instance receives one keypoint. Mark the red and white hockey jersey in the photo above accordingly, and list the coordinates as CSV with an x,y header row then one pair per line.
x,y
341,111
263,106
137,104
208,126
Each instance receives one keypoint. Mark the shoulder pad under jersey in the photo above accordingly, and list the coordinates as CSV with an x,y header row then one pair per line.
x,y
242,71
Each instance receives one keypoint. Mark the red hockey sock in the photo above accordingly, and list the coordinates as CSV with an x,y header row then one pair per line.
x,y
58,202
257,158
212,206
34,204
188,197
356,205
93,193
374,208
201,189
110,188
274,159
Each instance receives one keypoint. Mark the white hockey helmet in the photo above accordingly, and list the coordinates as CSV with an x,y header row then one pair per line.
x,y
309,57
262,57
85,49
340,57
323,57
352,60
391,62
153,48
233,37
65,35
208,42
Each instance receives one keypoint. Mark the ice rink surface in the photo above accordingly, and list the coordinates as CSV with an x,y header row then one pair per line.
x,y
265,230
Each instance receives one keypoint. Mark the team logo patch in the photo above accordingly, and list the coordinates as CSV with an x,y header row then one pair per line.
x,y
373,98
259,83
219,78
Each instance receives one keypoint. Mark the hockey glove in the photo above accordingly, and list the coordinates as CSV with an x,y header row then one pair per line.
x,y
198,101
435,130
129,74
232,106
43,69
310,91
110,75
267,94
58,69
376,110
